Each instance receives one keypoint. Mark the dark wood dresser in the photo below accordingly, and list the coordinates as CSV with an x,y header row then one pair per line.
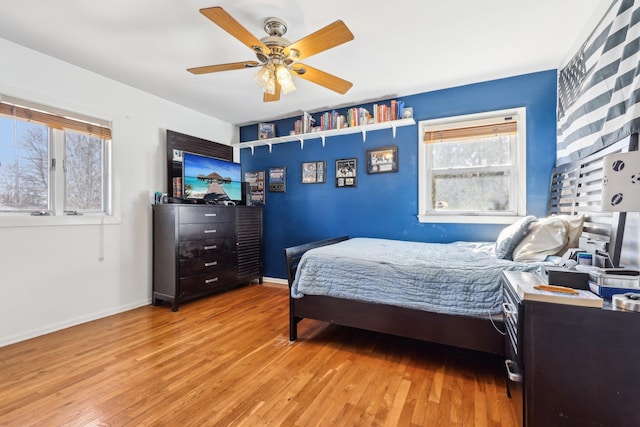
x,y
569,365
202,249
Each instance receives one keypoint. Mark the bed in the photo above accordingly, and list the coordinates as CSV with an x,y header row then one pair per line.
x,y
341,280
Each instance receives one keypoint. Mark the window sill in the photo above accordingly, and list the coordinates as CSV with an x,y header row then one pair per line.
x,y
26,220
469,219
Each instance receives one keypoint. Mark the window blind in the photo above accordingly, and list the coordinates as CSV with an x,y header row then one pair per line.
x,y
471,132
54,120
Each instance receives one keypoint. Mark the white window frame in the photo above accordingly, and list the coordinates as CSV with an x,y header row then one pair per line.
x,y
519,178
56,212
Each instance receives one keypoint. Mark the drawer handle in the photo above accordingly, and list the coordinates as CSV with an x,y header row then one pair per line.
x,y
509,310
516,378
209,231
207,281
210,214
210,264
208,248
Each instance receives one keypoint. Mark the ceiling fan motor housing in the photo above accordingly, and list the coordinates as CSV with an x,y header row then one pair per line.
x,y
275,27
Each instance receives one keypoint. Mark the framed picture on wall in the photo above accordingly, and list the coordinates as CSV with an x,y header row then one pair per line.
x,y
278,179
314,172
382,160
255,195
346,172
266,130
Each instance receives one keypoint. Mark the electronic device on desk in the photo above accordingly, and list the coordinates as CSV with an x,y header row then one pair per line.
x,y
564,276
566,273
629,301
607,282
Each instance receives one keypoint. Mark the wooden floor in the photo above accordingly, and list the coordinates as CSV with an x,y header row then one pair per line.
x,y
227,360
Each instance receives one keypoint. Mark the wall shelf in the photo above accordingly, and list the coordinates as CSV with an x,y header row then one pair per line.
x,y
393,124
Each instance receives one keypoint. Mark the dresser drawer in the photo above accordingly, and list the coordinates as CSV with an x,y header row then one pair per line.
x,y
207,247
204,214
206,231
203,283
191,267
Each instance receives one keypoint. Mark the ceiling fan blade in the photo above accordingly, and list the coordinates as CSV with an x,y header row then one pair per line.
x,y
330,36
275,97
223,67
321,78
225,21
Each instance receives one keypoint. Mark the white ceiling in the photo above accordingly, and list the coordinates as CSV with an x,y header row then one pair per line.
x,y
400,48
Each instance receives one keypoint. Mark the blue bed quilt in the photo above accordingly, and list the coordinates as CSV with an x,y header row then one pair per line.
x,y
454,278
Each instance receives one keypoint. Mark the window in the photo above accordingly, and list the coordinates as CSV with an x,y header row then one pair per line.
x,y
52,162
473,168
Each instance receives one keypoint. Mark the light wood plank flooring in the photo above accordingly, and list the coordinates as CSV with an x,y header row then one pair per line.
x,y
227,360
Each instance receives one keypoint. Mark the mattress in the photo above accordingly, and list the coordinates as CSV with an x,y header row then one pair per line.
x,y
454,278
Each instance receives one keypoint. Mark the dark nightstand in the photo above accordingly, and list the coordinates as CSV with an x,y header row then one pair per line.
x,y
569,365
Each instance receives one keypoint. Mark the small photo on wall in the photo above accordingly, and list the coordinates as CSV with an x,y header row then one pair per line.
x,y
346,172
266,130
314,172
256,187
382,160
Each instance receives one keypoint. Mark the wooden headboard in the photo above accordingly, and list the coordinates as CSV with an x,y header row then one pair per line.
x,y
575,189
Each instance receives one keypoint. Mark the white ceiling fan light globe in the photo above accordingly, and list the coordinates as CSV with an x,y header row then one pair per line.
x,y
284,78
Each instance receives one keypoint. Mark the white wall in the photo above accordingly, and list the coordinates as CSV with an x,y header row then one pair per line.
x,y
51,276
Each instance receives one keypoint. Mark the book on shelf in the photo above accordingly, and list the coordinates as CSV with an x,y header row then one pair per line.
x,y
400,106
558,295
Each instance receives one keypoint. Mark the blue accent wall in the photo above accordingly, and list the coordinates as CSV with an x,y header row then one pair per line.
x,y
386,205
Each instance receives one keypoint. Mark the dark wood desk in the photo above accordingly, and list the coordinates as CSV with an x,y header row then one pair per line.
x,y
576,366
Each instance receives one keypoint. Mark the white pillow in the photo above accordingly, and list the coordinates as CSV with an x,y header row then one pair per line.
x,y
574,224
547,236
512,235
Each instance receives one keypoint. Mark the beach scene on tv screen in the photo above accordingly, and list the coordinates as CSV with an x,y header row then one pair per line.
x,y
211,179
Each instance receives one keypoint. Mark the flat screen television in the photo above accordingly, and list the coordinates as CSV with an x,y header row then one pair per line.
x,y
211,179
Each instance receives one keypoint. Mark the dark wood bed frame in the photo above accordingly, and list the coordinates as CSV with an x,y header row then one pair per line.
x,y
574,189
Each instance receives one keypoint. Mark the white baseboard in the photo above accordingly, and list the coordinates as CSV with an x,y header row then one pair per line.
x,y
276,281
69,323
94,316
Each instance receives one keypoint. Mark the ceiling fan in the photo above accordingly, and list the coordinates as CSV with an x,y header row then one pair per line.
x,y
277,57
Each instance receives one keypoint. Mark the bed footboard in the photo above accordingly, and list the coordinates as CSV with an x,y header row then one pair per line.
x,y
292,256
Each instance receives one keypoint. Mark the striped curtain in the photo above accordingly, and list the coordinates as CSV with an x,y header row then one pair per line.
x,y
599,90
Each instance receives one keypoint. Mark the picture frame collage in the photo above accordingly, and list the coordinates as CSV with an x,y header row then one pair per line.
x,y
378,160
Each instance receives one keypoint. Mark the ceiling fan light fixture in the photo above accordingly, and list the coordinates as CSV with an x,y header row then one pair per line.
x,y
284,78
270,87
277,57
263,76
